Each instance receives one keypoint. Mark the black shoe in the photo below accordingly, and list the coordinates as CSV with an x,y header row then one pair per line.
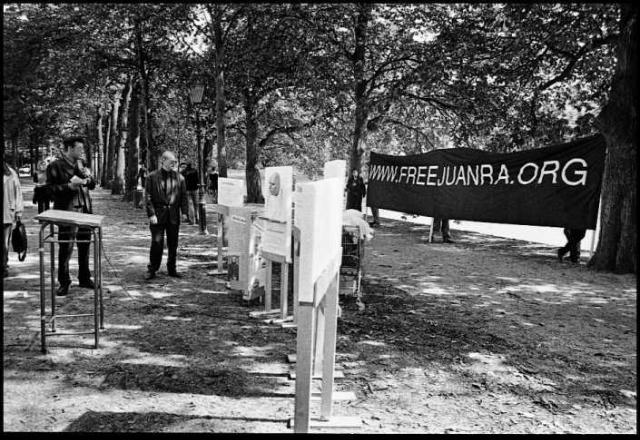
x,y
87,284
560,255
63,290
174,274
448,240
150,275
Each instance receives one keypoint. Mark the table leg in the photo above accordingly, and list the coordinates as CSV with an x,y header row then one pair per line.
x,y
43,346
99,277
96,316
53,278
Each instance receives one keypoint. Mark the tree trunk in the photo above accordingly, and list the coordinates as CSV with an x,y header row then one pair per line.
x,y
117,186
133,143
220,98
105,158
254,187
14,145
113,139
149,156
100,144
360,86
618,240
89,146
207,149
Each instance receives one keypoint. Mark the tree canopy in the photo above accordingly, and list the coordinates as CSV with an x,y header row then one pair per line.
x,y
303,83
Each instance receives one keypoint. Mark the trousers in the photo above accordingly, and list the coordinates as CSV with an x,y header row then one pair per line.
x,y
65,250
574,237
5,245
157,246
441,225
192,197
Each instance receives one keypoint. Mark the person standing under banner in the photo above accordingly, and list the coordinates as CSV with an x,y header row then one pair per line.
x,y
69,182
165,196
12,207
355,191
574,237
442,225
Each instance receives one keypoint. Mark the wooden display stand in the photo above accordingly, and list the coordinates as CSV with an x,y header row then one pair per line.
x,y
316,281
53,217
222,211
243,255
231,192
276,242
282,312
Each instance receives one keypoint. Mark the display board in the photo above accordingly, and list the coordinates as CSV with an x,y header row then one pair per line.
x,y
338,169
231,192
245,238
318,215
257,268
335,168
278,206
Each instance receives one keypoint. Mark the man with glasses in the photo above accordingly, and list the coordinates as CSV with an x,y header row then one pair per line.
x,y
165,196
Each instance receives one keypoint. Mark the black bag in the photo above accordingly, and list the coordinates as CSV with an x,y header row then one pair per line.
x,y
19,240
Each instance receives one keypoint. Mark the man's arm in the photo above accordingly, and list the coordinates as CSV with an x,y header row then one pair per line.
x,y
148,202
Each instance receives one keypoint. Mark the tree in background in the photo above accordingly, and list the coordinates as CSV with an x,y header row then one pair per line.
x,y
617,249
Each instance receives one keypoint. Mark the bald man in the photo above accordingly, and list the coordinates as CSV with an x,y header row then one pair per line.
x,y
165,195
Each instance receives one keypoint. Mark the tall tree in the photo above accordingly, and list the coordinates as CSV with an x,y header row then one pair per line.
x,y
618,241
117,186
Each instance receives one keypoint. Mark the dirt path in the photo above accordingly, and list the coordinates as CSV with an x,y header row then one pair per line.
x,y
483,336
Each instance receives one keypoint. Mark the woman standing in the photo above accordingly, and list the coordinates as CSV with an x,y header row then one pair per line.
x,y
355,191
12,205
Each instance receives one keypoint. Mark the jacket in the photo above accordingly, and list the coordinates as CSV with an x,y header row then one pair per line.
x,y
166,207
59,174
12,201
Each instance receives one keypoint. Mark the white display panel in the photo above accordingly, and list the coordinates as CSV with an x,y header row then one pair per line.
x,y
335,168
231,192
278,205
318,215
277,193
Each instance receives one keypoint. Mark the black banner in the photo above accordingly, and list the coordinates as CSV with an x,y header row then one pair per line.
x,y
557,185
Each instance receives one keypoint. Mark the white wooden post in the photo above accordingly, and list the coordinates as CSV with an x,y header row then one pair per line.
x,y
596,231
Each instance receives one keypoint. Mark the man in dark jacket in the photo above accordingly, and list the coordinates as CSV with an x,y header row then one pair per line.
x,y
165,196
69,183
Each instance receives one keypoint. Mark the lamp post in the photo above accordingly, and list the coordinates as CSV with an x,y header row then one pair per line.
x,y
195,93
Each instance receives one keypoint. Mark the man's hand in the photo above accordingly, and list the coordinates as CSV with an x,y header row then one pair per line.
x,y
153,220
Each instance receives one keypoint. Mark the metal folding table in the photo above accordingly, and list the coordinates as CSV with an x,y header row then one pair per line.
x,y
51,218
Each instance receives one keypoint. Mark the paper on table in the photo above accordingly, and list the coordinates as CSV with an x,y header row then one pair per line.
x,y
231,192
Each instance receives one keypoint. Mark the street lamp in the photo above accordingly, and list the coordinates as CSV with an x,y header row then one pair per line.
x,y
195,94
